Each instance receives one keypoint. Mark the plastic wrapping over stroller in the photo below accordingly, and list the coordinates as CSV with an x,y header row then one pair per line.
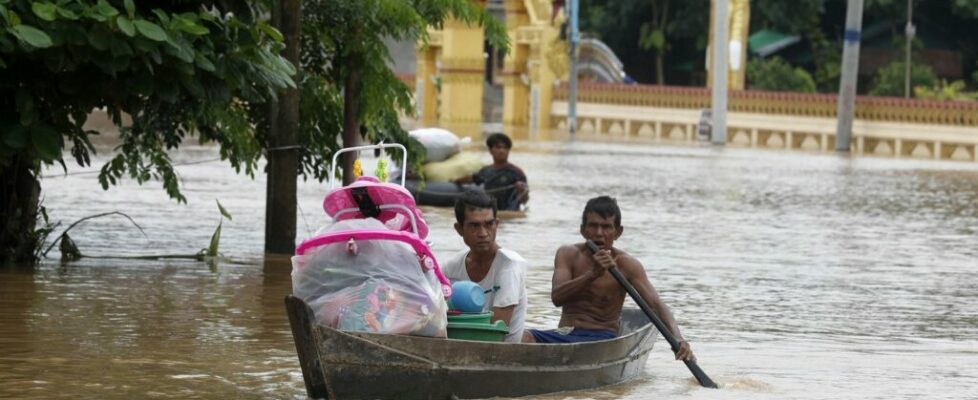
x,y
371,270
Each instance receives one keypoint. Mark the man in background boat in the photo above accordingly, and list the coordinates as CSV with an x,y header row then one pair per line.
x,y
501,273
503,180
591,298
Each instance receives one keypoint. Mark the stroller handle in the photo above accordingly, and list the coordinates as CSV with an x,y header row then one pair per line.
x,y
358,149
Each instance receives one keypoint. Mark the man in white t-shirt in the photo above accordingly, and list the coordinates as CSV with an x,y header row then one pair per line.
x,y
501,273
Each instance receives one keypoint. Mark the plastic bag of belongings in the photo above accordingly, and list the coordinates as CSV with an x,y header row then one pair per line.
x,y
439,144
371,271
445,159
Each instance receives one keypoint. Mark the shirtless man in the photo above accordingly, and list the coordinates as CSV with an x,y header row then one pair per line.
x,y
591,298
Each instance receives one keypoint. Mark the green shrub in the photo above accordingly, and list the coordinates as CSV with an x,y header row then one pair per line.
x,y
974,76
776,74
889,81
945,91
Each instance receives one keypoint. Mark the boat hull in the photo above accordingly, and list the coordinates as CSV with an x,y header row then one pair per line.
x,y
344,365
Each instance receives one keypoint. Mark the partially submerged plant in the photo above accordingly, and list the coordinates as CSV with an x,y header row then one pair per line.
x,y
212,250
40,234
69,250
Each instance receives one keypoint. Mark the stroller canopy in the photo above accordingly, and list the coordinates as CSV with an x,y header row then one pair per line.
x,y
367,197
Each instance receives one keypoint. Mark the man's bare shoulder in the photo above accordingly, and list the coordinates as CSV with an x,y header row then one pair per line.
x,y
622,255
626,261
570,249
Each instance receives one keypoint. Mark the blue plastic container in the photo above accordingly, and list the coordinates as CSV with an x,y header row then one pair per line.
x,y
467,296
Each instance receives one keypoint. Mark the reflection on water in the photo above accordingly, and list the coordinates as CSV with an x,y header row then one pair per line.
x,y
793,275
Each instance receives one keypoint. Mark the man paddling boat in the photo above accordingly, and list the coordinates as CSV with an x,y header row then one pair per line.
x,y
591,299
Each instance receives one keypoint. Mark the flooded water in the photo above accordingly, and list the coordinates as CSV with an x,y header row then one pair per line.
x,y
793,275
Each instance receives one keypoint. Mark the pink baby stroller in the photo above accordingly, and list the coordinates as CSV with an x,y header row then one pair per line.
x,y
371,270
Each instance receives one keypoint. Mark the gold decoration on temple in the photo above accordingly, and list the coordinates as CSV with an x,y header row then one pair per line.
x,y
558,59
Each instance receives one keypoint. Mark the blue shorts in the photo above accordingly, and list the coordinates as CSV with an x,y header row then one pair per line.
x,y
574,336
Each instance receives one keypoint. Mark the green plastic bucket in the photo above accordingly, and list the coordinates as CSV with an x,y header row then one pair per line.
x,y
480,332
471,318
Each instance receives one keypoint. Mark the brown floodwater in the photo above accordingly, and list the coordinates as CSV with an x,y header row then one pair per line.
x,y
793,275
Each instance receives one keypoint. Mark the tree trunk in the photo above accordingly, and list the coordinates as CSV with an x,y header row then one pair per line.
x,y
661,18
660,76
280,195
18,202
351,110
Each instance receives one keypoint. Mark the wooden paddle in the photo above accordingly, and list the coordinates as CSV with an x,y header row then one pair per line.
x,y
701,377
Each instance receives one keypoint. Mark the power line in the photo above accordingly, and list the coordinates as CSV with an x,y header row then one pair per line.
x,y
280,148
67,174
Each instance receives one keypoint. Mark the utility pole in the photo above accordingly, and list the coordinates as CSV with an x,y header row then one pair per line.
x,y
850,71
572,85
720,46
910,31
280,190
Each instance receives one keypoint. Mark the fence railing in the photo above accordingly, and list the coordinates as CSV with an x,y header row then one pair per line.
x,y
891,109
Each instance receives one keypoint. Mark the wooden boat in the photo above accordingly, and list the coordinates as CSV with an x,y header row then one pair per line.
x,y
354,365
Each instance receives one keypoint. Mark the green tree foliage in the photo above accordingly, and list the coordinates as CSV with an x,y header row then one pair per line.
x,y
785,16
180,69
974,76
965,8
632,30
968,7
775,74
821,23
805,18
946,91
343,52
890,81
185,68
660,27
652,35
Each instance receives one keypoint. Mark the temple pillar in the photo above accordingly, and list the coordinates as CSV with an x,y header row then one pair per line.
x,y
425,87
739,28
461,72
546,60
516,89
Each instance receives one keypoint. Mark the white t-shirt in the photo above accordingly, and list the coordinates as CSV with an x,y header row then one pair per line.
x,y
508,272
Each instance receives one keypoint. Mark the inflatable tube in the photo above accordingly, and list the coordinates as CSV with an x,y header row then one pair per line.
x,y
443,194
436,193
